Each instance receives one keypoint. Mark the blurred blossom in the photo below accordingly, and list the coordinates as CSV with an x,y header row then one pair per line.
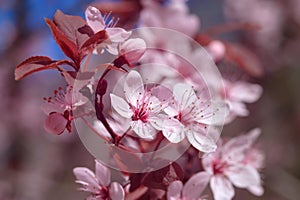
x,y
192,190
268,15
8,34
295,7
173,15
98,184
232,165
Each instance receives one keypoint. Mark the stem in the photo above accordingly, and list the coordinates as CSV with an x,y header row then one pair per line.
x,y
102,118
156,147
85,67
94,130
229,27
120,138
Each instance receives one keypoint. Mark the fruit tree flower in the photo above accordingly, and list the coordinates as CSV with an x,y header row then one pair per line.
x,y
192,190
98,183
230,165
129,52
141,106
60,109
190,116
239,93
98,23
174,15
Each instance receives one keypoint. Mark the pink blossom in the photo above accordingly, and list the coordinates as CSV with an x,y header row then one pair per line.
x,y
216,49
60,109
98,183
141,107
191,116
230,165
129,52
239,93
120,126
192,190
174,16
98,23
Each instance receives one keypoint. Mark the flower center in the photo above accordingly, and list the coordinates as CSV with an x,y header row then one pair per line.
x,y
140,113
218,167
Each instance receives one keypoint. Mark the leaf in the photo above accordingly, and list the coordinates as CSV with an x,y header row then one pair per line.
x,y
162,178
135,180
95,40
74,27
86,30
67,46
247,60
35,64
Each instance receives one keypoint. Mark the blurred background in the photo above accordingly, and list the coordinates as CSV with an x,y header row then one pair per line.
x,y
36,165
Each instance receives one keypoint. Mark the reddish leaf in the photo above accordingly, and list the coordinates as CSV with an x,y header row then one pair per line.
x,y
162,178
119,8
71,26
135,181
126,161
247,60
90,44
238,54
86,30
35,64
67,46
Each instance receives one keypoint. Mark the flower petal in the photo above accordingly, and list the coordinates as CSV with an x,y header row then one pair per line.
x,y
174,190
257,190
85,175
116,191
185,95
221,187
55,123
102,173
235,149
133,49
199,138
121,106
144,130
213,113
134,87
117,35
246,92
94,19
243,176
173,130
194,187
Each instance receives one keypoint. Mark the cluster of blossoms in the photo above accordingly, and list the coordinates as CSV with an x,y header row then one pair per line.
x,y
175,106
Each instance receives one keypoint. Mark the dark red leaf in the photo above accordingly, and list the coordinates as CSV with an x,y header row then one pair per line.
x,y
86,30
35,64
81,75
135,181
247,60
162,178
90,44
67,46
71,26
126,161
102,87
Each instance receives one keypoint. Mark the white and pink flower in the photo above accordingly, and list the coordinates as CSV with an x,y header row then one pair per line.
x,y
193,117
192,190
98,183
175,15
98,23
140,106
235,163
60,109
237,94
129,52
